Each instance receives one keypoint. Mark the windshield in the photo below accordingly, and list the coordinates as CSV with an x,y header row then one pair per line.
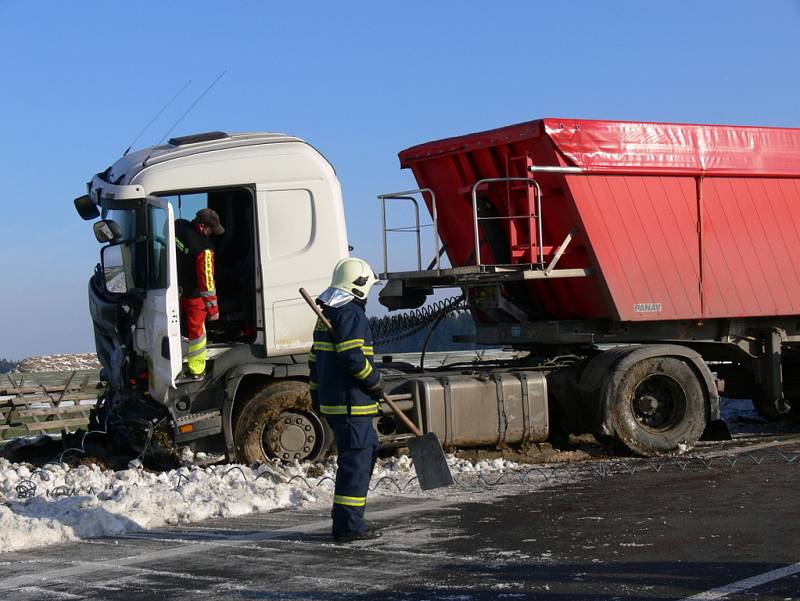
x,y
121,259
138,259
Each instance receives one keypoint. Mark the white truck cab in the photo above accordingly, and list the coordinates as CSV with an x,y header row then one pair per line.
x,y
281,205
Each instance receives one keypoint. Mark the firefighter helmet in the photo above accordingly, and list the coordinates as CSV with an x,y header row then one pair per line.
x,y
354,276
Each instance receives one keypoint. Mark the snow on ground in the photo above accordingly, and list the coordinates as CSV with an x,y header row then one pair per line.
x,y
75,503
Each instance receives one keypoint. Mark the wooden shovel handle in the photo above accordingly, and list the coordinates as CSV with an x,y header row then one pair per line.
x,y
314,307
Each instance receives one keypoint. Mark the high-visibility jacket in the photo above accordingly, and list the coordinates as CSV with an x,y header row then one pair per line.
x,y
342,369
195,265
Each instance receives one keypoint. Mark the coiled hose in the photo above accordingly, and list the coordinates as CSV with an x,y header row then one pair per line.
x,y
391,328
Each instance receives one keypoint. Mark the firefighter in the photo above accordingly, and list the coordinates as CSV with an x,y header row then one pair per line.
x,y
346,389
196,281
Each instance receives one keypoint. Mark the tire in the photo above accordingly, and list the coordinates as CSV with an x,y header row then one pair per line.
x,y
278,422
658,407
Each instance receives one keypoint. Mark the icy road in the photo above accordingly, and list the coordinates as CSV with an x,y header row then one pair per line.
x,y
723,524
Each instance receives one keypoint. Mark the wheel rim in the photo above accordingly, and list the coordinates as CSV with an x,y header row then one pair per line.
x,y
295,435
659,402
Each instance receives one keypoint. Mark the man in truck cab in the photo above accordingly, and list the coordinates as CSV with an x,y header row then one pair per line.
x,y
346,389
196,281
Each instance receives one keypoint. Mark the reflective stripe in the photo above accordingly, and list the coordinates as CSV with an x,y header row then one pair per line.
x,y
323,346
182,247
364,373
359,410
197,343
351,501
210,304
209,293
312,357
349,345
196,352
313,385
368,351
209,267
364,409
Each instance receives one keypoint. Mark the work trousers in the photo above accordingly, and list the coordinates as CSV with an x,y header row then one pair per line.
x,y
357,446
194,312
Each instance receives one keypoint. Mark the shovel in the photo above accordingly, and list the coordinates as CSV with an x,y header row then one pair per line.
x,y
426,450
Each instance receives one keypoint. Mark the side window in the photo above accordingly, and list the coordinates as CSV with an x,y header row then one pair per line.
x,y
185,206
290,221
157,274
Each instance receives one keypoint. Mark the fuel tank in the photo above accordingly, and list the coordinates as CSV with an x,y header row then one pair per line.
x,y
500,408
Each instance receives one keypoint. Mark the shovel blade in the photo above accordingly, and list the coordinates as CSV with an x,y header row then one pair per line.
x,y
430,462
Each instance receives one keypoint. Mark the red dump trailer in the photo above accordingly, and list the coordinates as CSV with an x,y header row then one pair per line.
x,y
666,238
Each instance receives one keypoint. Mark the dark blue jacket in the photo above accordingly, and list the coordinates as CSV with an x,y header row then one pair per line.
x,y
342,369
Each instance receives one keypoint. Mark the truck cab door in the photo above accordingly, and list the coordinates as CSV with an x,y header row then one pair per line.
x,y
158,331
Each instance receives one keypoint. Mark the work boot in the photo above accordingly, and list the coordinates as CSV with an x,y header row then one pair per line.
x,y
370,533
188,376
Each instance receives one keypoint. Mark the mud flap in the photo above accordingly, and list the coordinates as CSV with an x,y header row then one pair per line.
x,y
716,430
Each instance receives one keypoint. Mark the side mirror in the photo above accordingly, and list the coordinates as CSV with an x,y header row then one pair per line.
x,y
86,208
107,231
113,262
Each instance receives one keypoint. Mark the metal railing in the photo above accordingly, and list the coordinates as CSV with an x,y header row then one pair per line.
x,y
530,216
535,231
408,195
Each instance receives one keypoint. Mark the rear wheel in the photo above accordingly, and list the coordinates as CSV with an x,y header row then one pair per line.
x,y
278,422
659,407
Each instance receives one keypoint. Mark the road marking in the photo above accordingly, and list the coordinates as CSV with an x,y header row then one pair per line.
x,y
746,584
123,563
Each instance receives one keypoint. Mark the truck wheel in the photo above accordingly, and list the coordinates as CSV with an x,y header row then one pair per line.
x,y
278,422
659,407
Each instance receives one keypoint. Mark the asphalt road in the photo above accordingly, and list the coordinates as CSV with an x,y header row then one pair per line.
x,y
668,530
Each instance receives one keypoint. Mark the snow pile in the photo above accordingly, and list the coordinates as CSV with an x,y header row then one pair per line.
x,y
108,503
41,363
72,503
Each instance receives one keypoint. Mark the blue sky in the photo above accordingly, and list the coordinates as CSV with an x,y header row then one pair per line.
x,y
359,80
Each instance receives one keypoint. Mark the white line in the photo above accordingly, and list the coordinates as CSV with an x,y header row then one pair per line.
x,y
234,540
746,584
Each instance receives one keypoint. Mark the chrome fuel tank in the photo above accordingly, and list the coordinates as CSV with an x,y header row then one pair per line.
x,y
484,409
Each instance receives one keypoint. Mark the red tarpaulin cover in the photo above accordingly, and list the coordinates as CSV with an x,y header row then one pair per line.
x,y
630,146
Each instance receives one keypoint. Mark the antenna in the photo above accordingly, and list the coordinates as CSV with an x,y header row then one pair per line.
x,y
158,114
199,98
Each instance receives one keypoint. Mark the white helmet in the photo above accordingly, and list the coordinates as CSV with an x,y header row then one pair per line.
x,y
354,276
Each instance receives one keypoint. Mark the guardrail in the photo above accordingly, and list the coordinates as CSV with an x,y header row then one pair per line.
x,y
33,403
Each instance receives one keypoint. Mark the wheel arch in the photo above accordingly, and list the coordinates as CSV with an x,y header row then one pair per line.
x,y
244,380
605,371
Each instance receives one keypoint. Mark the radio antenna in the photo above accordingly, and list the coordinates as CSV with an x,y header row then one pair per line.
x,y
158,114
194,104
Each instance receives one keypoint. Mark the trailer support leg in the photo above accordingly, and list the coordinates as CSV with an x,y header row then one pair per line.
x,y
773,372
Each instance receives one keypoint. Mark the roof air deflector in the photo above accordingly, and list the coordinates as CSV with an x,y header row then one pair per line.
x,y
195,138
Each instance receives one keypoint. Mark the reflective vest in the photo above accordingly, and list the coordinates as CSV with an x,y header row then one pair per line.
x,y
195,265
342,369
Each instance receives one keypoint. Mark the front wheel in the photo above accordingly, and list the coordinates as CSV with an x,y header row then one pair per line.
x,y
278,422
659,407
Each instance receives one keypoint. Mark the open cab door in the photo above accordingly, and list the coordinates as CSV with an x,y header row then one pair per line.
x,y
158,331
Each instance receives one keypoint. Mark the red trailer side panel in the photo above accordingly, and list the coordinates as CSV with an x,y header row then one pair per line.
x,y
643,234
676,221
751,242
